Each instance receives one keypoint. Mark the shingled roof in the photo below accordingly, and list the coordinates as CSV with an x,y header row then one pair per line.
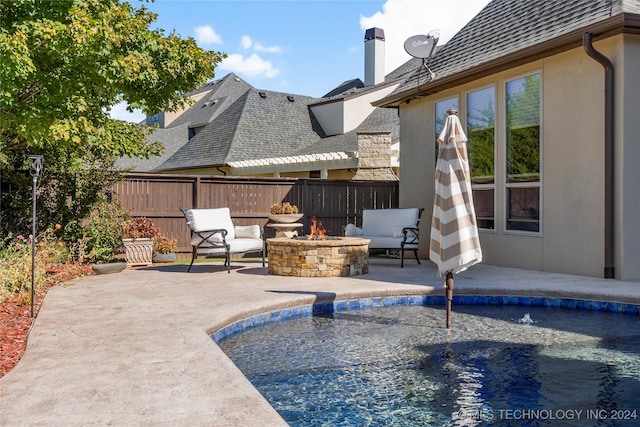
x,y
241,125
507,33
258,124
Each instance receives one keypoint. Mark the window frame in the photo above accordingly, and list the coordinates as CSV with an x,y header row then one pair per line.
x,y
493,186
506,185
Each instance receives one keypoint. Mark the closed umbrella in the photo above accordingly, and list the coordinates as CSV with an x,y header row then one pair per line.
x,y
454,244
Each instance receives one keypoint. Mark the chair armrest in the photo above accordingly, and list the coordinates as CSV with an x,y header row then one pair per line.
x,y
205,235
248,231
411,235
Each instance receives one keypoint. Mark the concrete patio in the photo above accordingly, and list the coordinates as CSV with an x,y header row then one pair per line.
x,y
133,348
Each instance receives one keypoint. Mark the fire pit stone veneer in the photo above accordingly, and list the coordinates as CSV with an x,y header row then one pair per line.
x,y
346,256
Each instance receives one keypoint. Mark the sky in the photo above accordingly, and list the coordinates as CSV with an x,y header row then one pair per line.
x,y
303,47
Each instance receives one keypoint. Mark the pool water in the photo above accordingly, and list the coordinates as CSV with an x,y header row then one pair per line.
x,y
399,366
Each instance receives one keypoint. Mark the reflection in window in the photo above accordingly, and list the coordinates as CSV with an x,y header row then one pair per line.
x,y
441,117
523,153
481,136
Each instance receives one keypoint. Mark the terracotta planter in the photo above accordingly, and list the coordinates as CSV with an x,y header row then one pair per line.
x,y
109,268
160,258
138,251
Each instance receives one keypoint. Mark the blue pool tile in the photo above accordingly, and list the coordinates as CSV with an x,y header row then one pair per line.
x,y
296,312
263,319
307,310
285,314
582,304
366,303
227,332
482,300
377,302
552,302
417,300
524,301
439,300
510,300
342,305
537,302
495,300
353,304
330,307
275,316
614,307
323,308
389,301
429,300
402,300
467,299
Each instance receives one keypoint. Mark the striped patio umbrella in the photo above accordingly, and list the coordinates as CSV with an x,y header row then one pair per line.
x,y
454,244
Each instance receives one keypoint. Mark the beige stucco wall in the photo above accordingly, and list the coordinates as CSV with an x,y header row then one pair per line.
x,y
572,204
628,157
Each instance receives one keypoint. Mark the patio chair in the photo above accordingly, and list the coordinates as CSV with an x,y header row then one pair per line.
x,y
214,235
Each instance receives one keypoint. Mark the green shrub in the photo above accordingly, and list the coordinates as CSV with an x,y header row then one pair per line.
x,y
15,262
101,239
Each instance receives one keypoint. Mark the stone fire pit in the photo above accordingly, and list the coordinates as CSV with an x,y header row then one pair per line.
x,y
335,257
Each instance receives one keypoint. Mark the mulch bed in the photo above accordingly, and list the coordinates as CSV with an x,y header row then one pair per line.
x,y
15,315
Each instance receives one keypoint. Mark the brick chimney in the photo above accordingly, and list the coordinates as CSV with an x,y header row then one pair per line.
x,y
373,56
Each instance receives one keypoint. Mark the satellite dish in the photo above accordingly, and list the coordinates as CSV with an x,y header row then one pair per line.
x,y
420,46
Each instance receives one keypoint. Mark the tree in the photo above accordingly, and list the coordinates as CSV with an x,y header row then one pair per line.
x,y
63,65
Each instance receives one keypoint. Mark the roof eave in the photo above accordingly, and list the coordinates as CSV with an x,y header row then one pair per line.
x,y
624,23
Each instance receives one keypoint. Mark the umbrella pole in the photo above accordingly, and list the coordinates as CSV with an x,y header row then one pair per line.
x,y
449,295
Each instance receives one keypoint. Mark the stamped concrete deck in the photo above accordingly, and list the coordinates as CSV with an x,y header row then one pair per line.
x,y
133,348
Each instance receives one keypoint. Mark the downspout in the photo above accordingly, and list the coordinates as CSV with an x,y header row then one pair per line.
x,y
609,161
220,170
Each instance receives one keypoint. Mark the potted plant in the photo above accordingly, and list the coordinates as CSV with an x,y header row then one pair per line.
x,y
164,249
284,212
138,234
101,241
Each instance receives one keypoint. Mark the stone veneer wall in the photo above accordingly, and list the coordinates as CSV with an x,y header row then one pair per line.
x,y
318,258
374,157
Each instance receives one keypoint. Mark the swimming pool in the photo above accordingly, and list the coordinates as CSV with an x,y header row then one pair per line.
x,y
370,362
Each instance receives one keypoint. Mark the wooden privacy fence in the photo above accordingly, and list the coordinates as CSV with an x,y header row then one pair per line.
x,y
333,202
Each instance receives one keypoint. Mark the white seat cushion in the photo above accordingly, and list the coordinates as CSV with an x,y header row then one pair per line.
x,y
211,219
381,222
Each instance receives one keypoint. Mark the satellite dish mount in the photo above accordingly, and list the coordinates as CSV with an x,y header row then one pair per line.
x,y
423,46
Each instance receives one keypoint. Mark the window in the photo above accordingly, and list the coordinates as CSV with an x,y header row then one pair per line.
x,y
481,151
193,131
509,142
522,107
441,116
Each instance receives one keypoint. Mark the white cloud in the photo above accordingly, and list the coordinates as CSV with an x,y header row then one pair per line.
x,y
447,16
119,112
246,42
251,66
207,35
269,49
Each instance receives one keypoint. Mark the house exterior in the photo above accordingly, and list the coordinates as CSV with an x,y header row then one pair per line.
x,y
235,129
549,94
